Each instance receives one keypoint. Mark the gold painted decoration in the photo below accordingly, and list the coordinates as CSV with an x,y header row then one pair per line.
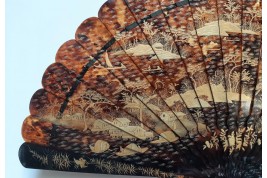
x,y
160,88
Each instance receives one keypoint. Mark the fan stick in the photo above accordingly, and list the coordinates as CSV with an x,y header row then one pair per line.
x,y
251,45
40,157
252,134
256,139
251,42
230,15
257,105
205,17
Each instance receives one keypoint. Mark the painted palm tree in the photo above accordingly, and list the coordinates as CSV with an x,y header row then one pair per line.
x,y
90,100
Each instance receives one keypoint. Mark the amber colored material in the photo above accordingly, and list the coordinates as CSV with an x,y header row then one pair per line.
x,y
36,131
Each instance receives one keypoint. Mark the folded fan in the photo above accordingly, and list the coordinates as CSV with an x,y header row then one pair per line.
x,y
154,88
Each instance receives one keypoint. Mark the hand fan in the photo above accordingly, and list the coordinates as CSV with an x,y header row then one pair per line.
x,y
161,88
